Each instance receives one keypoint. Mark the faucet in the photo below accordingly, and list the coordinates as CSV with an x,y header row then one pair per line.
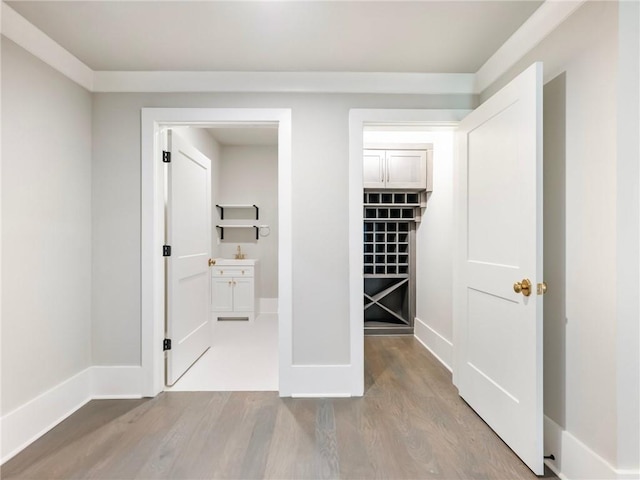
x,y
239,255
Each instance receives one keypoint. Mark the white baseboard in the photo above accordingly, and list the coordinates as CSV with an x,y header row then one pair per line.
x,y
440,347
267,305
318,381
116,382
574,460
30,421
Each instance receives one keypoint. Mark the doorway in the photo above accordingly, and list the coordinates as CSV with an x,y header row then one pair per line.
x,y
243,308
153,226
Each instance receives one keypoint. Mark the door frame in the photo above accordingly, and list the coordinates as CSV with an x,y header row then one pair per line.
x,y
153,225
358,119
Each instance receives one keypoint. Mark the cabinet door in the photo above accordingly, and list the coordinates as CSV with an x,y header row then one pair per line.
x,y
406,169
222,294
243,295
373,169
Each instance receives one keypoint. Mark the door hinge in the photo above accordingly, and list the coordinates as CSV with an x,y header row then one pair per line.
x,y
166,250
166,156
166,344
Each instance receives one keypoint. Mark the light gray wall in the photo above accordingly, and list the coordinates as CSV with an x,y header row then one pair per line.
x,y
46,235
581,391
249,175
320,153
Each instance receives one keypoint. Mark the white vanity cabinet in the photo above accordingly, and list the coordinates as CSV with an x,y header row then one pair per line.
x,y
398,168
233,292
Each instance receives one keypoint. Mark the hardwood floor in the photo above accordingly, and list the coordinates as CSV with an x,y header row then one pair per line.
x,y
410,424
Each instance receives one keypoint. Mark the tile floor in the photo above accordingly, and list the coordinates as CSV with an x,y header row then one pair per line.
x,y
243,357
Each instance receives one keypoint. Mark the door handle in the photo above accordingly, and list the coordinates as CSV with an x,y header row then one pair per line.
x,y
523,287
212,262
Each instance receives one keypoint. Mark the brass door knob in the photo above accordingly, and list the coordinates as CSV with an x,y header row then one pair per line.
x,y
212,262
542,288
523,287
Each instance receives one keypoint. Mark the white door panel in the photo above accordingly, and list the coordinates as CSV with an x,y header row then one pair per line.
x,y
373,168
189,234
406,169
222,295
498,367
243,294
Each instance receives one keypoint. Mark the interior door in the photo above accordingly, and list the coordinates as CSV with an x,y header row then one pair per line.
x,y
498,368
189,235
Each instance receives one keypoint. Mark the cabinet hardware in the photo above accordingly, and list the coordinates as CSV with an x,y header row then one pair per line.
x,y
212,262
542,288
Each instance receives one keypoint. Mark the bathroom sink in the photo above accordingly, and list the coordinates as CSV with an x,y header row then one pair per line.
x,y
230,262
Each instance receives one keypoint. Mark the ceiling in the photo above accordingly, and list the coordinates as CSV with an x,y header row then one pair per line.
x,y
454,36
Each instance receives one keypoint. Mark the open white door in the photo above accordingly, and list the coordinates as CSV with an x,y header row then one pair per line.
x,y
188,233
498,367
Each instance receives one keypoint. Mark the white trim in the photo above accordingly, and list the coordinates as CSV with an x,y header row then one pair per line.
x,y
30,421
16,28
267,305
152,226
116,382
278,82
313,381
576,461
436,119
540,24
440,347
25,424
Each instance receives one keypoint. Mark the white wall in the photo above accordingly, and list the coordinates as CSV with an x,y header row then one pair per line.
x,y
320,211
46,236
434,252
249,175
580,314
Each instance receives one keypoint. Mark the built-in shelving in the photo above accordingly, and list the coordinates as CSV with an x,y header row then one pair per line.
x,y
388,237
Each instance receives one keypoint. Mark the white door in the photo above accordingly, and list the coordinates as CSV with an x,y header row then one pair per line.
x,y
406,169
189,234
373,168
498,367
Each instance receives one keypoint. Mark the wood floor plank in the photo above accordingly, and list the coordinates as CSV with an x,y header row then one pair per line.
x,y
410,424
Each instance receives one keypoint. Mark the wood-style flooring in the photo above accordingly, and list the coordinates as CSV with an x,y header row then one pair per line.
x,y
410,424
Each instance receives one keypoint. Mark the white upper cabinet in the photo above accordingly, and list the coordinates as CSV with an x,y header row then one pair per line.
x,y
398,168
374,168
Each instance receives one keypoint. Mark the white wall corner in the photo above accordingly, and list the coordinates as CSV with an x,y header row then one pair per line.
x,y
18,29
439,346
116,382
30,421
576,461
543,21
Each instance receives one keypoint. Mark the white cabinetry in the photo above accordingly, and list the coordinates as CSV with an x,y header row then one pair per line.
x,y
233,289
398,167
